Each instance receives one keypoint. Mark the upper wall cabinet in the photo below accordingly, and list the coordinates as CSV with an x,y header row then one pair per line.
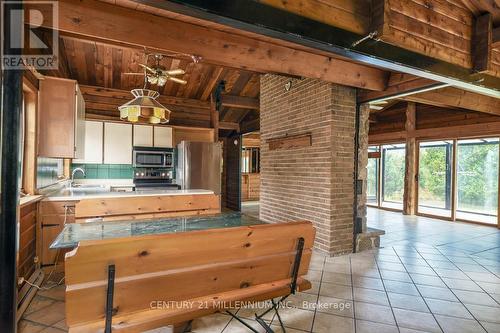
x,y
93,143
162,137
143,135
61,114
117,143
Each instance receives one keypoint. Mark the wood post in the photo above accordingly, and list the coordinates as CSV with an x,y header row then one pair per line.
x,y
410,186
214,118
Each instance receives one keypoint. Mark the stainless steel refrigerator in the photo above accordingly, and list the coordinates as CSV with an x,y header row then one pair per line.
x,y
199,166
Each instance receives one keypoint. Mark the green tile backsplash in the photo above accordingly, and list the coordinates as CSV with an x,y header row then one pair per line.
x,y
104,171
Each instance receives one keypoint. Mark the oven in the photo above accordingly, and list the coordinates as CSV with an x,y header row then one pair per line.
x,y
145,157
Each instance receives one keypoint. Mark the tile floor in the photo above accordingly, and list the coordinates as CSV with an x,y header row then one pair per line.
x,y
429,276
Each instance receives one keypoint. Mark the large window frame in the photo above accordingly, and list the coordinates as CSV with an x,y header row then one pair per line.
x,y
377,153
453,182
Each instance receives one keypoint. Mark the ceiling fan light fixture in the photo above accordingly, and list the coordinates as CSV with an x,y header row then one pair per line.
x,y
145,106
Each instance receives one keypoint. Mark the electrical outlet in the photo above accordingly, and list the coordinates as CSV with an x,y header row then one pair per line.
x,y
35,259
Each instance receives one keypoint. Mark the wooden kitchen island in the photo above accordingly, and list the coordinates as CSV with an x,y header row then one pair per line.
x,y
166,271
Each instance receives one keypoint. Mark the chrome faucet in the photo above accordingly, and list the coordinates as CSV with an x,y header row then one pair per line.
x,y
73,175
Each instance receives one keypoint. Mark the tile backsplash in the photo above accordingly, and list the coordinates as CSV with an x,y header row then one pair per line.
x,y
104,171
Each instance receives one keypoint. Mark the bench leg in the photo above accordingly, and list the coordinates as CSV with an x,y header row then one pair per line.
x,y
241,321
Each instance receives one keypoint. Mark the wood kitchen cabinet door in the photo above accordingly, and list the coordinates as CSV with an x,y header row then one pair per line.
x,y
93,143
57,118
143,136
163,137
117,143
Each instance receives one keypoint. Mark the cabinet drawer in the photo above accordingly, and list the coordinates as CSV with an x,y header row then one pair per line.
x,y
57,207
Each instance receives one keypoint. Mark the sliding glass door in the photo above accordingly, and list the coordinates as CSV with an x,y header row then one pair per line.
x,y
477,180
372,188
393,176
435,174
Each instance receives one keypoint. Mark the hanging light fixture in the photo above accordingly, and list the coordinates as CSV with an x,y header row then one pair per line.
x,y
145,106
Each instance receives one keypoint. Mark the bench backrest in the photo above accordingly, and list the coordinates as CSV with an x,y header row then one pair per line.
x,y
179,267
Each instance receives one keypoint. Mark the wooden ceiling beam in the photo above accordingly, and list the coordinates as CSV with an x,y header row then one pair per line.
x,y
117,25
125,95
250,126
240,102
399,85
225,125
481,43
456,98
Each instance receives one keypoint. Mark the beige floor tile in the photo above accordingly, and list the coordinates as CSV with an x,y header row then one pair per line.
x,y
491,327
374,312
462,284
326,323
454,325
37,303
472,297
447,308
337,268
335,290
370,296
368,282
313,275
437,293
314,288
62,325
407,302
485,313
400,287
25,326
237,327
56,293
337,278
336,306
296,318
49,315
409,330
427,280
416,320
301,300
395,276
277,329
371,327
211,324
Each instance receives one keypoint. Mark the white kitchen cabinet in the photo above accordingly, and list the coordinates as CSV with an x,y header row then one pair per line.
x,y
117,143
93,143
143,135
163,137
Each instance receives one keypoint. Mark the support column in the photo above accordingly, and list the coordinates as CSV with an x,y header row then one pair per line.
x,y
410,188
364,127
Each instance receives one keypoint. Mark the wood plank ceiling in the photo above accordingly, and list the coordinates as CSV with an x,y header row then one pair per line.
x,y
103,66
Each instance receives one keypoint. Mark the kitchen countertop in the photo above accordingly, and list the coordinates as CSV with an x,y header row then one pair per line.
x,y
96,193
76,232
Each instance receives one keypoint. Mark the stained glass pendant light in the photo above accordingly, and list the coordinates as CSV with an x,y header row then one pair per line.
x,y
145,107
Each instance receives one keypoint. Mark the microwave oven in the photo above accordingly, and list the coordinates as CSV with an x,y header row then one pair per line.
x,y
144,157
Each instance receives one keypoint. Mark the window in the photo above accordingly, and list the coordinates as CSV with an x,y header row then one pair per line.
x,y
477,180
393,175
372,188
250,160
434,178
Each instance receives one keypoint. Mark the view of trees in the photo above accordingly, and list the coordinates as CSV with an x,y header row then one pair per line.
x,y
393,173
477,177
434,165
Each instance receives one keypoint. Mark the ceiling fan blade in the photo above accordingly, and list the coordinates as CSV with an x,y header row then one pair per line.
x,y
141,74
177,71
148,68
177,80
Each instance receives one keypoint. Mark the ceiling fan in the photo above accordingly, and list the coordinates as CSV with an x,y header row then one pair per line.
x,y
158,74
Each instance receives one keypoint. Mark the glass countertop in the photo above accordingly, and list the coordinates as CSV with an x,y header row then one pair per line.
x,y
76,232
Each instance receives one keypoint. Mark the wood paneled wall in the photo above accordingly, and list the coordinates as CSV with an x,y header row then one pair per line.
x,y
250,186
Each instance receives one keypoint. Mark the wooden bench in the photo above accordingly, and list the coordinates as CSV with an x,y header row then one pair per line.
x,y
159,280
